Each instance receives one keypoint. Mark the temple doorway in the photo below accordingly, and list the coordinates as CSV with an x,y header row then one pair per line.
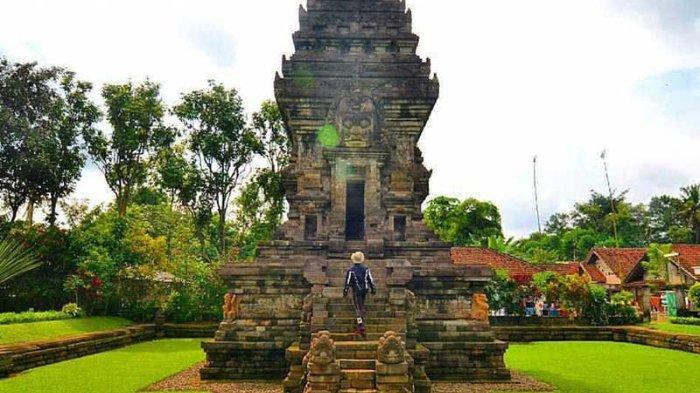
x,y
355,211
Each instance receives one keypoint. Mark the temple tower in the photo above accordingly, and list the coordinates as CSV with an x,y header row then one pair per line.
x,y
355,99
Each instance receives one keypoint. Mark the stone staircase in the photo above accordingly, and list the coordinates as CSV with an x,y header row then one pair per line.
x,y
335,360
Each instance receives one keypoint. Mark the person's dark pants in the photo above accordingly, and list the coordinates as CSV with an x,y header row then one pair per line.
x,y
358,298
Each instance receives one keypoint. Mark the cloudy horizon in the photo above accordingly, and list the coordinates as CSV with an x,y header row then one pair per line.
x,y
562,80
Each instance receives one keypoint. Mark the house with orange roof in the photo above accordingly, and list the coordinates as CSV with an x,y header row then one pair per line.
x,y
622,268
518,269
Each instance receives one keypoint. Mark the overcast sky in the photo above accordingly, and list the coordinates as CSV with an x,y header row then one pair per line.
x,y
560,79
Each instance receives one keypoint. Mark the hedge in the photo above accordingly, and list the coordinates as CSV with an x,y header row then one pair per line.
x,y
685,321
32,316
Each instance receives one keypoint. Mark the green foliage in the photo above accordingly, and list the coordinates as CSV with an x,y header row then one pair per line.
x,y
595,309
620,309
222,145
657,264
15,259
504,293
73,310
135,114
465,222
32,316
690,209
685,321
694,294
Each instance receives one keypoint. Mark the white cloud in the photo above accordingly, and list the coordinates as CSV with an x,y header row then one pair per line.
x,y
553,78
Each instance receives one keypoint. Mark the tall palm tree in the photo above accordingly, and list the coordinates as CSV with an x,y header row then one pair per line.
x,y
15,259
690,210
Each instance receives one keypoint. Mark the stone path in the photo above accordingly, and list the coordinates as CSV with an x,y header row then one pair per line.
x,y
189,380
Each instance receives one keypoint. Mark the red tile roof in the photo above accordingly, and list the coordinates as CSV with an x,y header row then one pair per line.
x,y
688,257
621,260
516,267
564,268
595,274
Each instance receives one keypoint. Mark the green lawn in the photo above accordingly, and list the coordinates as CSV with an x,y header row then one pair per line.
x,y
20,332
583,367
124,370
673,328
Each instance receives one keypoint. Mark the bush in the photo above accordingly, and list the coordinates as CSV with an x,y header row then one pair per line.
x,y
685,321
73,310
32,316
694,295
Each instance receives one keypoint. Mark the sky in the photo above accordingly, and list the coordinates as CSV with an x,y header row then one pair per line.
x,y
560,79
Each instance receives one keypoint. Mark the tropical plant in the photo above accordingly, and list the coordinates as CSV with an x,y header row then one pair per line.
x,y
657,264
690,209
15,259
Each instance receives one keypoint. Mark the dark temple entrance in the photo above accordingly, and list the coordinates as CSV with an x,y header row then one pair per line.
x,y
355,211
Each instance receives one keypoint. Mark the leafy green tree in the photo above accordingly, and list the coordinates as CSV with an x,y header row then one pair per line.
x,y
71,115
222,144
690,209
25,99
463,222
135,114
666,222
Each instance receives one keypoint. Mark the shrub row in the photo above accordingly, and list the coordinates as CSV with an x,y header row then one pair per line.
x,y
685,321
32,316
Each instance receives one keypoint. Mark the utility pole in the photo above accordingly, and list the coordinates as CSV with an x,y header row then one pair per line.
x,y
604,156
537,201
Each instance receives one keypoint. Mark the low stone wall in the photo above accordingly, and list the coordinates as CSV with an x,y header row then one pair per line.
x,y
190,330
530,321
629,334
15,358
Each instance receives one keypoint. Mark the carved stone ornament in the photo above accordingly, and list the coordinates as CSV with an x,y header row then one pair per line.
x,y
322,352
391,349
232,303
480,307
356,119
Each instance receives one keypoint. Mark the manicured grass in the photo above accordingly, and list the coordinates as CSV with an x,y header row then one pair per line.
x,y
125,370
673,328
593,367
21,332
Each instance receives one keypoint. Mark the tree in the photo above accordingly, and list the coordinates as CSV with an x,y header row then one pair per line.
x,y
15,259
25,98
666,222
465,222
135,114
222,145
690,209
657,264
72,114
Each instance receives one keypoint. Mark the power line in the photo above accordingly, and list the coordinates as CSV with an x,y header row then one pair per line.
x,y
604,156
537,202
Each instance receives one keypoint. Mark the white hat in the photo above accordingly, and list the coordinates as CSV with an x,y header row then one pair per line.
x,y
358,257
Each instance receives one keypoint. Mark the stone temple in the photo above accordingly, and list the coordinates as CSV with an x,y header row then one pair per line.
x,y
355,99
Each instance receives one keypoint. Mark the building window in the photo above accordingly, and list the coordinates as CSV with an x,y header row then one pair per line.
x,y
400,228
310,227
697,270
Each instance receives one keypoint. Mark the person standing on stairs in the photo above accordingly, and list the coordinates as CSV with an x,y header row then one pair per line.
x,y
359,278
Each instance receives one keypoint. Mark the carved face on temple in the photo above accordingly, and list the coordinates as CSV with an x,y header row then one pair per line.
x,y
322,351
391,349
355,117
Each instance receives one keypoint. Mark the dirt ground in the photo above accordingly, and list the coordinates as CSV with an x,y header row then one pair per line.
x,y
188,380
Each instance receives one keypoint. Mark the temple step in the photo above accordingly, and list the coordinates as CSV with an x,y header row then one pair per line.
x,y
357,379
